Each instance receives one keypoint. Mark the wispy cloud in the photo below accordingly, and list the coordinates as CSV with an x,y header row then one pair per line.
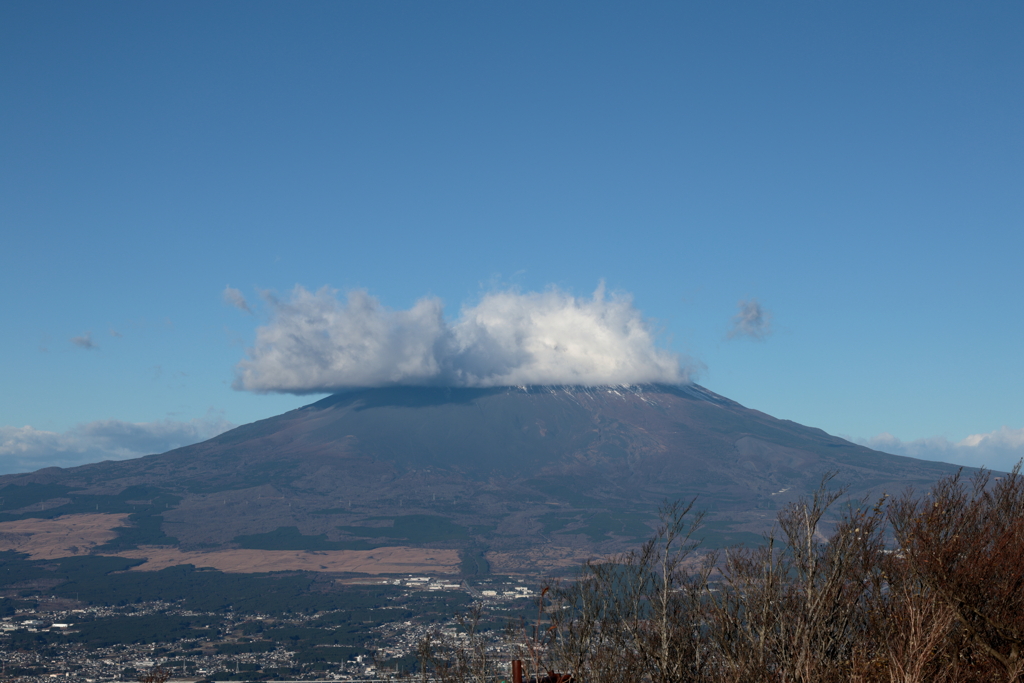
x,y
317,343
84,341
998,450
234,297
24,449
115,333
752,321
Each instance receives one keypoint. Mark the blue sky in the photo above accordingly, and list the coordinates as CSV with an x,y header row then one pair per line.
x,y
855,170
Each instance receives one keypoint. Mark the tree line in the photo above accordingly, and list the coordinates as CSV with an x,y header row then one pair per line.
x,y
905,589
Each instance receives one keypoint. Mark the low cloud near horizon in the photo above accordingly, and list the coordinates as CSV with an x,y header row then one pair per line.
x,y
316,342
999,450
26,449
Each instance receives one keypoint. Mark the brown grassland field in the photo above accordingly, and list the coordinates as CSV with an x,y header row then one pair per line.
x,y
70,535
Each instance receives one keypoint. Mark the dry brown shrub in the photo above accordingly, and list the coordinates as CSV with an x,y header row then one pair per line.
x,y
965,542
942,606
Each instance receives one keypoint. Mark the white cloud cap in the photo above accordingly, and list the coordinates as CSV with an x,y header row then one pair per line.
x,y
316,343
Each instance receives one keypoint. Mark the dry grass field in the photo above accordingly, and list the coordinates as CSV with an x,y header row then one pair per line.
x,y
47,539
377,561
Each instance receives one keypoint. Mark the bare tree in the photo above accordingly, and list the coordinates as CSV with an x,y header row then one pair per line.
x,y
966,542
945,606
909,631
796,609
638,617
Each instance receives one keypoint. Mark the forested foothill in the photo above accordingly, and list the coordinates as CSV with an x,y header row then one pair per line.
x,y
914,587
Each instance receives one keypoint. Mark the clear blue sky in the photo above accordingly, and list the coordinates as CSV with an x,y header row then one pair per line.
x,y
855,168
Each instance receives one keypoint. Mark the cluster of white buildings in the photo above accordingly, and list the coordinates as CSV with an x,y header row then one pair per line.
x,y
425,583
430,584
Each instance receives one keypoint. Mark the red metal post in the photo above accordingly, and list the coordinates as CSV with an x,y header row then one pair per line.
x,y
517,671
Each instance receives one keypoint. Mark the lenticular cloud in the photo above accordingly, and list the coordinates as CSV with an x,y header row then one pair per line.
x,y
317,343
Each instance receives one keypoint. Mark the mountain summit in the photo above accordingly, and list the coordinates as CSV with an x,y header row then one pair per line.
x,y
516,477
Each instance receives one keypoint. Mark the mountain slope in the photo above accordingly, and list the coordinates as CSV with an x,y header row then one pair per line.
x,y
504,470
